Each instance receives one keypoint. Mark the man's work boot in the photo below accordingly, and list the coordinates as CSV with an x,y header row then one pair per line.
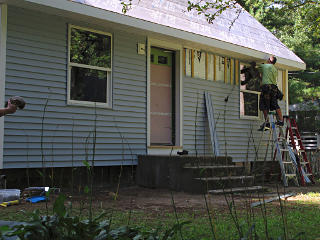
x,y
264,126
280,123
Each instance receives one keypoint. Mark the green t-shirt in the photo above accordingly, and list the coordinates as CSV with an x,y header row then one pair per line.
x,y
269,74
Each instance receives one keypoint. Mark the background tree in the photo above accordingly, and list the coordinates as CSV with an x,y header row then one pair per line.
x,y
295,22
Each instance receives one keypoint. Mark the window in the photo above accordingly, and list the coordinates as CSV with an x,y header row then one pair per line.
x,y
249,95
89,67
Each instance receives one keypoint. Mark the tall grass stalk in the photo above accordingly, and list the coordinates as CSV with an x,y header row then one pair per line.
x,y
231,205
28,160
123,140
121,167
42,150
92,173
176,214
41,143
198,166
172,200
195,126
283,215
52,157
115,197
72,156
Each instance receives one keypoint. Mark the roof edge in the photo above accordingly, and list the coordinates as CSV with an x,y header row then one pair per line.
x,y
90,11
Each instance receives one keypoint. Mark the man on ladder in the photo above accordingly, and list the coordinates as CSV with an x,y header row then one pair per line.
x,y
269,93
289,163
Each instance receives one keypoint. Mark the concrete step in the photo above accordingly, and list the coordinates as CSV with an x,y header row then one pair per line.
x,y
225,178
215,171
237,190
213,183
208,161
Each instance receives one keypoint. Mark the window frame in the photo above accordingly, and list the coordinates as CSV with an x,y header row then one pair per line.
x,y
108,71
248,91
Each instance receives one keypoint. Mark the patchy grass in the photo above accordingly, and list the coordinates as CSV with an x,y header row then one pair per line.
x,y
307,198
302,215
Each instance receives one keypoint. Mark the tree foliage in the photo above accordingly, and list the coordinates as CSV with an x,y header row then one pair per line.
x,y
296,24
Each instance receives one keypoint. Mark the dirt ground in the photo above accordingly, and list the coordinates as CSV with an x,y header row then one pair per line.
x,y
160,200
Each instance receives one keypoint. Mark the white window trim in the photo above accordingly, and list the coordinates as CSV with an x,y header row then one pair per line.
x,y
259,112
108,104
249,91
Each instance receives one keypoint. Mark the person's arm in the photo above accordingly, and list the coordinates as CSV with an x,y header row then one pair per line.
x,y
11,108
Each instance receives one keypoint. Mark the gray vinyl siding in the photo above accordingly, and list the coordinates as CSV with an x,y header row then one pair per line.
x,y
62,135
233,133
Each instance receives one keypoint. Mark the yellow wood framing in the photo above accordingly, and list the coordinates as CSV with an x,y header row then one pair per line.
x,y
214,68
236,65
206,66
231,71
284,84
184,62
192,63
225,70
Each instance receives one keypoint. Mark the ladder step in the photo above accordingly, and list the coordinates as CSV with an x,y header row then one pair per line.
x,y
290,175
287,145
303,163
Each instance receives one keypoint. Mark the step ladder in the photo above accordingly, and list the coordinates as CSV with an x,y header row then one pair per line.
x,y
283,153
304,167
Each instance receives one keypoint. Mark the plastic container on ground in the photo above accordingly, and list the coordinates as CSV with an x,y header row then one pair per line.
x,y
7,195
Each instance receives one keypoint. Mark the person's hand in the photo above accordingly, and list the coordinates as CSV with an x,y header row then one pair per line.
x,y
11,108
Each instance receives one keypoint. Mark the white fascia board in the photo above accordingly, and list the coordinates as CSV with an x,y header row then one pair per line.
x,y
102,14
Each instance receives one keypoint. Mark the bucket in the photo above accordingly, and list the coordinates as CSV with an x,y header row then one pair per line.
x,y
7,195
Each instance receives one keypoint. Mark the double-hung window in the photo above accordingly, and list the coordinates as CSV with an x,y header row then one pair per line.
x,y
89,67
249,96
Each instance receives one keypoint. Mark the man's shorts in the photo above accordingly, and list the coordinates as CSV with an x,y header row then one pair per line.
x,y
268,97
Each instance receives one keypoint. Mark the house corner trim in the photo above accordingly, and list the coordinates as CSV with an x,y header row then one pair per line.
x,y
3,46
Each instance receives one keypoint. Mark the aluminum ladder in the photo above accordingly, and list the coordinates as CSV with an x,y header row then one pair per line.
x,y
304,167
283,153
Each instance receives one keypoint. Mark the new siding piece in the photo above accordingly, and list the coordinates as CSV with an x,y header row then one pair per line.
x,y
233,133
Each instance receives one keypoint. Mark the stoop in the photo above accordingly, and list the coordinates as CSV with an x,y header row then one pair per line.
x,y
194,174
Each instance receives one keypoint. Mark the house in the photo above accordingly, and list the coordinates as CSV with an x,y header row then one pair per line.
x,y
108,86
307,115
